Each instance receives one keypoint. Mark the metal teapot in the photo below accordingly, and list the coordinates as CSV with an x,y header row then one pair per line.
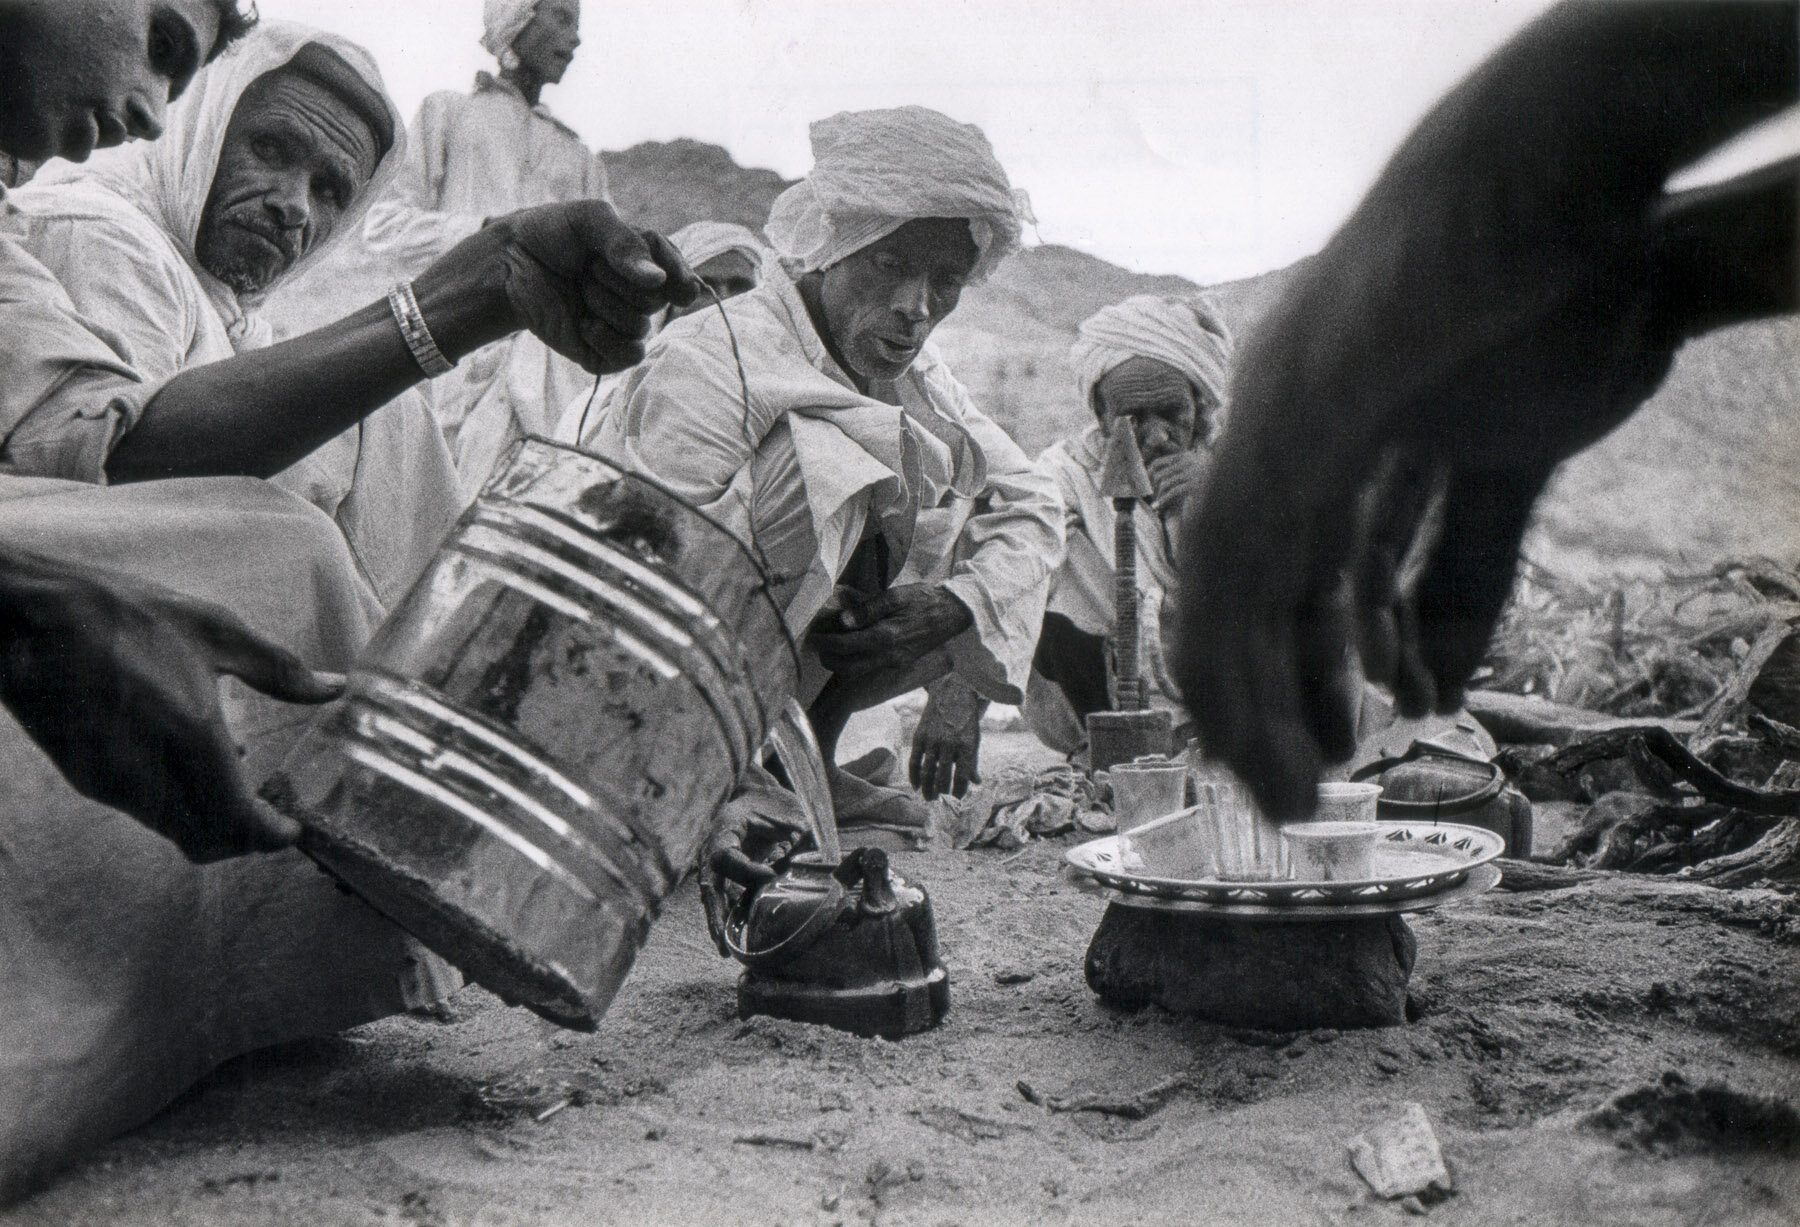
x,y
851,946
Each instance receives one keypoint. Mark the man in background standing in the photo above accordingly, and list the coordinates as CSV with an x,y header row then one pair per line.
x,y
469,157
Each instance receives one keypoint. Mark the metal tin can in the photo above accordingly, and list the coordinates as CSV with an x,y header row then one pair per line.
x,y
531,751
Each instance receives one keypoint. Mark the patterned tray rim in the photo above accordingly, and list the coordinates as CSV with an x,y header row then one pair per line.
x,y
1431,839
1457,887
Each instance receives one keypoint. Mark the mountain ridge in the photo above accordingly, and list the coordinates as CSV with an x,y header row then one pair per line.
x,y
1709,469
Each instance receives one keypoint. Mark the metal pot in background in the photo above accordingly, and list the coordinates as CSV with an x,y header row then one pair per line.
x,y
1431,783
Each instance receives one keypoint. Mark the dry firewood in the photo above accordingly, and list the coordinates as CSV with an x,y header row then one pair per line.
x,y
1525,876
1657,777
1517,718
1602,816
1774,858
1651,837
1738,829
1590,766
1784,737
1587,748
1715,787
1730,700
1133,1106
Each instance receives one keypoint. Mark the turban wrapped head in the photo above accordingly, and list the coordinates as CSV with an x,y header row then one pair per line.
x,y
874,171
502,22
703,241
170,180
1187,333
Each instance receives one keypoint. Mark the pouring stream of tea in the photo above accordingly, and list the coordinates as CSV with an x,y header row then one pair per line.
x,y
798,751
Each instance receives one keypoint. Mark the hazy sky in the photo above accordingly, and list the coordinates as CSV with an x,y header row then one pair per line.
x,y
1214,138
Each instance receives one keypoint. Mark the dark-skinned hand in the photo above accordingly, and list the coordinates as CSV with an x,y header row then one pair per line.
x,y
736,860
946,747
1176,478
118,681
1513,287
583,281
889,631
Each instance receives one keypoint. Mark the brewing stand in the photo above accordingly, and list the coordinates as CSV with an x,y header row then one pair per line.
x,y
1278,956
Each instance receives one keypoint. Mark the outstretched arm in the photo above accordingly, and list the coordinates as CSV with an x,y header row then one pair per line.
x,y
118,681
1512,288
574,274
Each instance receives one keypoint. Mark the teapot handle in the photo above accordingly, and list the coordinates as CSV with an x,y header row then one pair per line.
x,y
1492,787
798,942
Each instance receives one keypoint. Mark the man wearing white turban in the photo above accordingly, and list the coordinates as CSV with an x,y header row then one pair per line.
x,y
470,157
132,964
1163,363
905,534
724,255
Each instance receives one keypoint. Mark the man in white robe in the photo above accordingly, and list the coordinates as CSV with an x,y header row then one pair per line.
x,y
470,157
122,234
1162,363
727,257
129,965
905,534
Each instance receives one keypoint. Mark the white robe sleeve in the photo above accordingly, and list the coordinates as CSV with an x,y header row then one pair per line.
x,y
1008,544
71,386
406,225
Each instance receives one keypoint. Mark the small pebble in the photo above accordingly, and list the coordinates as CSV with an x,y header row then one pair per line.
x,y
1013,975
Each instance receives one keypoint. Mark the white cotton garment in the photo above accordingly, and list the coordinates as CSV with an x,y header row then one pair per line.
x,y
874,171
699,242
471,157
1082,590
1185,332
810,464
503,21
117,234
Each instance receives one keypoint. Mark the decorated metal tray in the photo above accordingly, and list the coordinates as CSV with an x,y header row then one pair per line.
x,y
1413,860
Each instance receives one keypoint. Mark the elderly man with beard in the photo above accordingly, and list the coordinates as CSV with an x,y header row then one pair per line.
x,y
906,536
1162,363
131,970
166,252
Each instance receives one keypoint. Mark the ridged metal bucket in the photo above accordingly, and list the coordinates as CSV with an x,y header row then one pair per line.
x,y
532,749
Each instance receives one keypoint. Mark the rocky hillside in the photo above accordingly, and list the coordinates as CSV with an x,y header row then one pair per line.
x,y
1008,340
667,185
1710,469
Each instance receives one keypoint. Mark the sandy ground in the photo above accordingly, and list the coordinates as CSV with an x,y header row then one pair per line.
x,y
1536,1011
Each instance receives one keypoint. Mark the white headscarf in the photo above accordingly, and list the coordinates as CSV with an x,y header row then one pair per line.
x,y
169,179
703,241
503,21
874,171
1187,333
